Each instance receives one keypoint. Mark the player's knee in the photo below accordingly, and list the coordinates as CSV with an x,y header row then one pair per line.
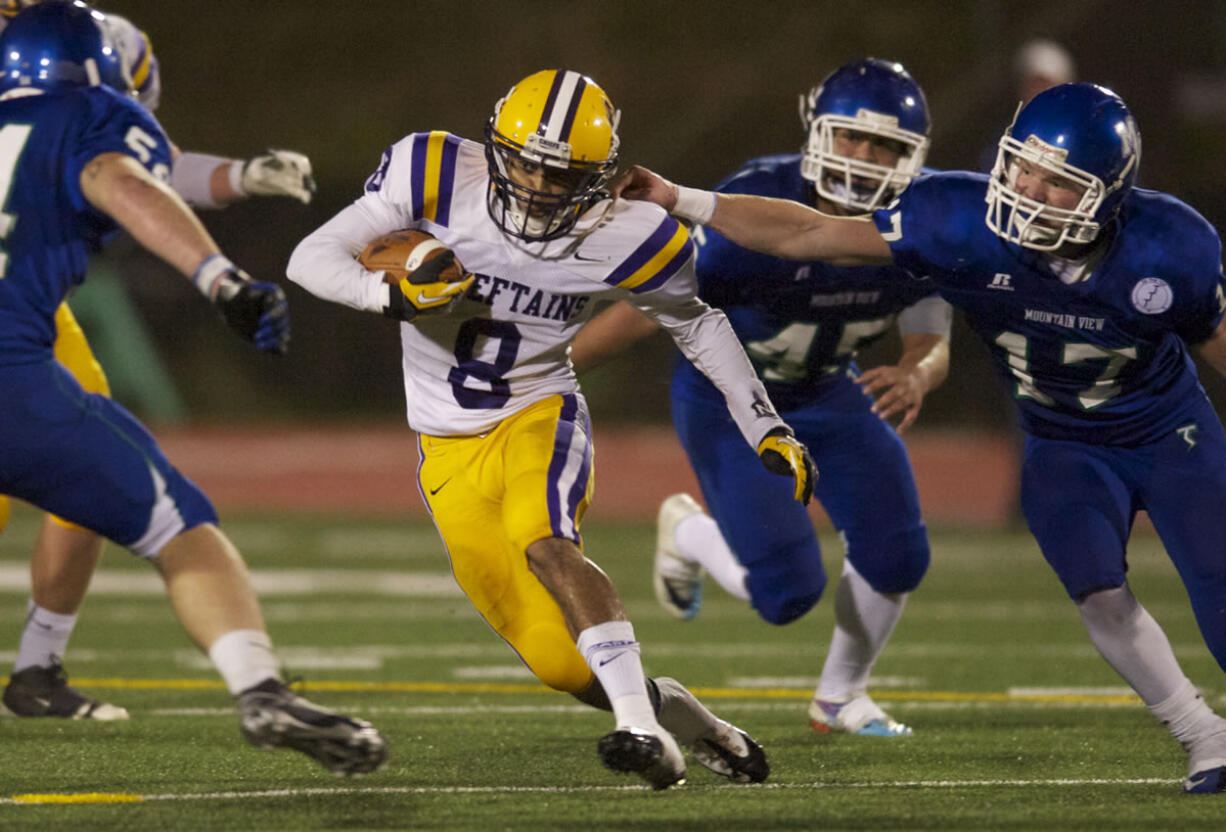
x,y
783,590
787,608
550,654
894,563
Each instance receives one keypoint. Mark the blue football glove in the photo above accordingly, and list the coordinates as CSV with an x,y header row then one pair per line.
x,y
782,453
256,311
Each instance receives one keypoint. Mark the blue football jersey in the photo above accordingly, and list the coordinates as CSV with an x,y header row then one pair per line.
x,y
801,323
47,228
1101,360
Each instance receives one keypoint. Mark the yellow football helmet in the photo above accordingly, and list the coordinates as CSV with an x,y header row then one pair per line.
x,y
551,146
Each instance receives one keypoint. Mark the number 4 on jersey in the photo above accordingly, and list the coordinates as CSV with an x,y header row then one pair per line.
x,y
13,138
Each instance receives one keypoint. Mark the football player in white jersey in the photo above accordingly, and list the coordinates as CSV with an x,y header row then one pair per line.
x,y
65,556
505,443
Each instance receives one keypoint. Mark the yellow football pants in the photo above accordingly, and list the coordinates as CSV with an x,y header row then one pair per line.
x,y
491,497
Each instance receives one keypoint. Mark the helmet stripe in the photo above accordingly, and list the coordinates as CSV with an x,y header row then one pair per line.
x,y
566,92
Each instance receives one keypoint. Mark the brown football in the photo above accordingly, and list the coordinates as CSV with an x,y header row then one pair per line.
x,y
400,252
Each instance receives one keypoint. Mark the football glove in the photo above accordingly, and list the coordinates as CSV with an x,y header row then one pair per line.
x,y
782,453
279,173
420,292
256,311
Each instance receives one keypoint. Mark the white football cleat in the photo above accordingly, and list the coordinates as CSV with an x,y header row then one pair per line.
x,y
677,581
653,755
857,714
720,746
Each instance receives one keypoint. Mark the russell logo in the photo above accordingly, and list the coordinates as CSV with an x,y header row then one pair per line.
x,y
1152,295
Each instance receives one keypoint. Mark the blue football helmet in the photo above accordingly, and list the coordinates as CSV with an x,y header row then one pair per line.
x,y
53,45
874,97
1081,132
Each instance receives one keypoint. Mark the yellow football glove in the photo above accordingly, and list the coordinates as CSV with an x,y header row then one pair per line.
x,y
421,292
782,453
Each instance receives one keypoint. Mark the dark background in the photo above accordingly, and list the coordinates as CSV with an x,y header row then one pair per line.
x,y
702,86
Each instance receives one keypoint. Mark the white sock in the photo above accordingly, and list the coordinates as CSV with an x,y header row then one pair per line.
x,y
613,655
1186,715
698,539
864,619
1133,644
244,658
44,639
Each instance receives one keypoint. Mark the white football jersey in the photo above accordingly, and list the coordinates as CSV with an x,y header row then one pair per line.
x,y
505,345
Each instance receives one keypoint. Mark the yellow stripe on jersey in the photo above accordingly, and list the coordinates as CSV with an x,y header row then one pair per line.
x,y
657,259
432,173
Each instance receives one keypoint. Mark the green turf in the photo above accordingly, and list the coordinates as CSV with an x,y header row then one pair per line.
x,y
492,750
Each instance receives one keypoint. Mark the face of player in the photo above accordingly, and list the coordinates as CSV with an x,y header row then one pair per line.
x,y
540,179
860,147
1046,186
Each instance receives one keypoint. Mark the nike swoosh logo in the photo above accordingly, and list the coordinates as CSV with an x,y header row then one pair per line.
x,y
612,658
434,491
580,257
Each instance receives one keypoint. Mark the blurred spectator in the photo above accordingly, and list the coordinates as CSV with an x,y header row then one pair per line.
x,y
1038,64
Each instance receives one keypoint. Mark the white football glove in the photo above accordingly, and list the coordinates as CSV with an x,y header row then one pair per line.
x,y
279,173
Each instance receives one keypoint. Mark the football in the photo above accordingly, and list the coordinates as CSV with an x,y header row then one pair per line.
x,y
400,252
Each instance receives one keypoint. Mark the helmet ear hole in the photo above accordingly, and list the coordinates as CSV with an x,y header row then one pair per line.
x,y
563,124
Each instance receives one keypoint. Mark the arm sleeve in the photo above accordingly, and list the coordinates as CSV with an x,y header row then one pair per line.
x,y
325,264
929,316
191,175
706,338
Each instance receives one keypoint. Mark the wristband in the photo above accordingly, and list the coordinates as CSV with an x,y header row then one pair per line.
x,y
237,168
695,205
209,271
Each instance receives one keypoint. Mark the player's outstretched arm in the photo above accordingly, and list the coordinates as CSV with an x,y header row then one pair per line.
x,y
781,227
609,334
208,181
157,218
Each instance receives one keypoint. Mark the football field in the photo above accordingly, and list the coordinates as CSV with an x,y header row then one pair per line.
x,y
1018,723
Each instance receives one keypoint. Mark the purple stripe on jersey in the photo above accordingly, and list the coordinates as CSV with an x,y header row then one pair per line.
x,y
549,101
649,249
569,121
557,465
670,268
417,173
579,489
446,179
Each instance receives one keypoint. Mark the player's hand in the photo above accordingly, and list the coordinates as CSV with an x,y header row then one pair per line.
x,y
782,453
643,184
421,292
279,173
895,390
256,311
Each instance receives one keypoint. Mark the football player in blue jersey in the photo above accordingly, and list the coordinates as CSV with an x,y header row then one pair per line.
x,y
65,555
80,158
1090,293
801,324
